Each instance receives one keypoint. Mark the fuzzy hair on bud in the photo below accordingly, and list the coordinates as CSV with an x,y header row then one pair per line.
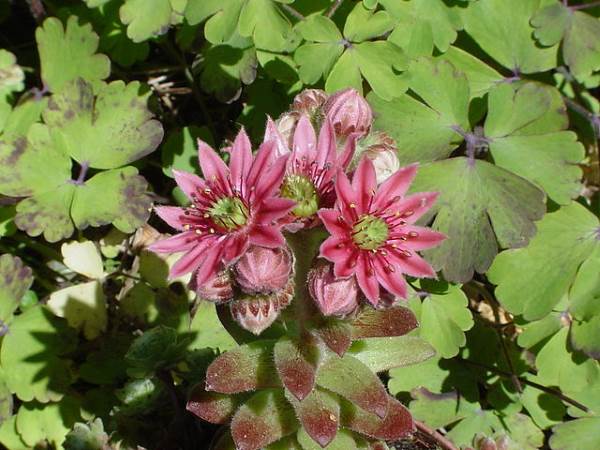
x,y
334,296
349,113
263,270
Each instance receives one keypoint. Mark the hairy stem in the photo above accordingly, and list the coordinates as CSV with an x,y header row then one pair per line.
x,y
527,382
444,442
334,8
293,11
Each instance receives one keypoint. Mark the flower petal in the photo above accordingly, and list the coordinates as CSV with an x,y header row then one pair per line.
x,y
213,167
264,158
395,186
241,159
413,265
305,139
392,281
267,235
345,157
345,195
365,275
326,147
193,258
171,215
364,183
423,239
178,243
272,209
272,134
234,246
188,182
331,220
270,181
414,206
210,266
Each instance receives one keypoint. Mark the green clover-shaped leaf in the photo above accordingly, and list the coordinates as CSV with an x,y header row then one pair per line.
x,y
547,267
146,19
502,29
422,25
15,279
344,60
11,74
525,128
30,356
425,132
69,53
106,127
579,32
585,431
480,207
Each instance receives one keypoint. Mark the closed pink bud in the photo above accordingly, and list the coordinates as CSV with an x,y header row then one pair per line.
x,y
309,101
218,289
263,270
257,313
286,125
334,296
349,113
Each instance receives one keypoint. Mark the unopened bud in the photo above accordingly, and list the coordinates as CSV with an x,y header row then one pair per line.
x,y
257,313
349,113
334,296
309,102
381,149
263,270
218,289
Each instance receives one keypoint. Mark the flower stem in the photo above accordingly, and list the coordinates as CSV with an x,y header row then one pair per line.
x,y
334,8
293,11
585,6
445,443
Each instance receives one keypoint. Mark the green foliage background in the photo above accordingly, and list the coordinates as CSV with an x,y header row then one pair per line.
x,y
100,99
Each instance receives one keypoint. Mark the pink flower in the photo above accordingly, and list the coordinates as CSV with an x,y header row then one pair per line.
x,y
311,169
372,229
232,207
334,296
349,112
263,270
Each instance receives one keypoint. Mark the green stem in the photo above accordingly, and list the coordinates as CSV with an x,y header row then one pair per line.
x,y
305,246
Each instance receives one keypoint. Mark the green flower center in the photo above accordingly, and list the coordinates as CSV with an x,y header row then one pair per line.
x,y
229,213
369,232
300,189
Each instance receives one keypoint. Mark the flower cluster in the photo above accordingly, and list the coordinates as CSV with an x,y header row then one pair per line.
x,y
320,167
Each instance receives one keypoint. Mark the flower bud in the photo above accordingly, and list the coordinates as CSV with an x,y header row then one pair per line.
x,y
257,313
309,102
263,270
381,149
218,289
349,113
334,296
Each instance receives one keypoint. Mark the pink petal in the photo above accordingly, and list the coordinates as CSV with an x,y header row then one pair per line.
x,y
393,282
364,183
188,182
270,181
171,215
345,194
335,249
267,235
234,247
213,167
365,275
241,159
305,140
395,186
210,266
347,153
326,147
262,161
178,243
331,220
425,238
413,265
272,209
273,134
192,259
416,205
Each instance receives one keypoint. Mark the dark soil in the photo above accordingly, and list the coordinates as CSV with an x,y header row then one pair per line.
x,y
419,441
